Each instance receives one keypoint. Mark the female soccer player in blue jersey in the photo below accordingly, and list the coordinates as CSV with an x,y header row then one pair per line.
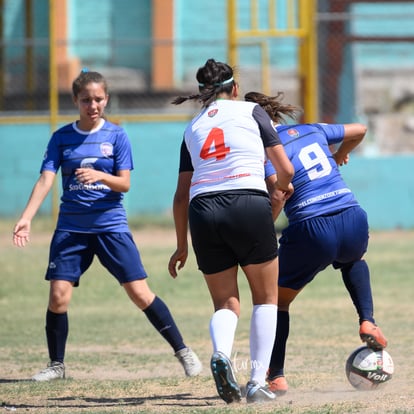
x,y
326,225
95,159
222,192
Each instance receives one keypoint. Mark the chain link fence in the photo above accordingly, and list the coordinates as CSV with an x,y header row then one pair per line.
x,y
365,69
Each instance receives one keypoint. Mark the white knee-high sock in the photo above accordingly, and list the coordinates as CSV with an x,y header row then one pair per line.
x,y
223,326
262,336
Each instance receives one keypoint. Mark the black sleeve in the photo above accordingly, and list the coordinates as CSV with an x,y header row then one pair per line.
x,y
267,131
185,159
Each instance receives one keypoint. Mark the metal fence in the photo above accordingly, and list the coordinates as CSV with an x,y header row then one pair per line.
x,y
364,71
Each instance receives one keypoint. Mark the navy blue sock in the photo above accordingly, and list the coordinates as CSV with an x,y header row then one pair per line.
x,y
57,328
357,281
160,317
277,361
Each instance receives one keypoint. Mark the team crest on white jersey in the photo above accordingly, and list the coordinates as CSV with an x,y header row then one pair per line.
x,y
212,113
107,149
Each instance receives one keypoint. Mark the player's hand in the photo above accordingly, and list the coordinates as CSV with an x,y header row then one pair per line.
x,y
286,192
21,233
87,175
177,261
341,160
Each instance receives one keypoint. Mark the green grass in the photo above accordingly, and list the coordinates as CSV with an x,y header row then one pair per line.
x,y
117,363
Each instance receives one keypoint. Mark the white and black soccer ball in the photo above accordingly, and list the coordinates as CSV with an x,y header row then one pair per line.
x,y
367,369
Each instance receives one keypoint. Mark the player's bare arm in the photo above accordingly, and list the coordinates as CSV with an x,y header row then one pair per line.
x,y
21,231
180,212
353,135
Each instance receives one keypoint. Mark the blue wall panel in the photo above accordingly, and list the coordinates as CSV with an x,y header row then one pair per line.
x,y
384,186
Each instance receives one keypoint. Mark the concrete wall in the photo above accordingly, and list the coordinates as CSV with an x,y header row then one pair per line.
x,y
383,185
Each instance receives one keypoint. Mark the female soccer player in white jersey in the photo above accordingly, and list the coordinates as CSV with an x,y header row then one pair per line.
x,y
95,159
326,225
222,193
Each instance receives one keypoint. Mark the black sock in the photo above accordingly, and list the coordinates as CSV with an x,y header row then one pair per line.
x,y
160,317
277,361
357,281
57,328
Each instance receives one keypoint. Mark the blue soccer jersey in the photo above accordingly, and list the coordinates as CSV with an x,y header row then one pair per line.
x,y
89,208
319,187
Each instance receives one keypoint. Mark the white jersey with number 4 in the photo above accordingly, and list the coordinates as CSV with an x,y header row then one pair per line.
x,y
226,144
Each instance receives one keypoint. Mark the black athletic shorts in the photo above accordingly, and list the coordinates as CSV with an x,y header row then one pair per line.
x,y
232,228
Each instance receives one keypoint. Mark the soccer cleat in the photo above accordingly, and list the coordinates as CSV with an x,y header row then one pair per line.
x,y
54,370
190,362
224,378
255,393
278,385
372,335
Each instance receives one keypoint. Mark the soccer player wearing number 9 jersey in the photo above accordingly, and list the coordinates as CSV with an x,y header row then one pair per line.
x,y
326,225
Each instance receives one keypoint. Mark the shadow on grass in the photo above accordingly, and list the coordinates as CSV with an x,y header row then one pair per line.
x,y
11,381
174,400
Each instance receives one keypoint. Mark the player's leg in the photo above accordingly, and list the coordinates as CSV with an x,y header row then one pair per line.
x,y
275,375
262,280
57,326
353,230
356,278
255,246
219,265
119,254
57,329
224,293
69,257
306,248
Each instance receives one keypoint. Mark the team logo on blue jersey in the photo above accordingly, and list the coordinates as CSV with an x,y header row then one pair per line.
x,y
212,113
294,133
107,149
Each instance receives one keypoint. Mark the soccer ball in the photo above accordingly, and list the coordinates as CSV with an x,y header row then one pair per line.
x,y
367,369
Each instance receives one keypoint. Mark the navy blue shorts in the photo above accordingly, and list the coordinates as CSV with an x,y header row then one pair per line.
x,y
232,228
71,254
308,247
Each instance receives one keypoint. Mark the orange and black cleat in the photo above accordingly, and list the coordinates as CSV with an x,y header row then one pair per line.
x,y
371,334
278,385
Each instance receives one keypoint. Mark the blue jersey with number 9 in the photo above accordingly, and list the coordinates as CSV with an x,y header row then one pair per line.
x,y
319,187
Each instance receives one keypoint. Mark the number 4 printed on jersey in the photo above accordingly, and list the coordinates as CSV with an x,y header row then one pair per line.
x,y
214,146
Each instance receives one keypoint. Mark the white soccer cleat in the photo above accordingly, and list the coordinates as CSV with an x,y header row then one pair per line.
x,y
255,393
54,370
190,362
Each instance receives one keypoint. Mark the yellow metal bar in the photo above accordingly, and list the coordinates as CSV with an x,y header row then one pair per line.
x,y
53,93
29,54
231,32
291,14
254,19
308,61
272,14
2,63
294,32
64,119
53,78
265,68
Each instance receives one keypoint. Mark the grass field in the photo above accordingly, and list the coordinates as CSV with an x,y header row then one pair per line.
x,y
117,363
